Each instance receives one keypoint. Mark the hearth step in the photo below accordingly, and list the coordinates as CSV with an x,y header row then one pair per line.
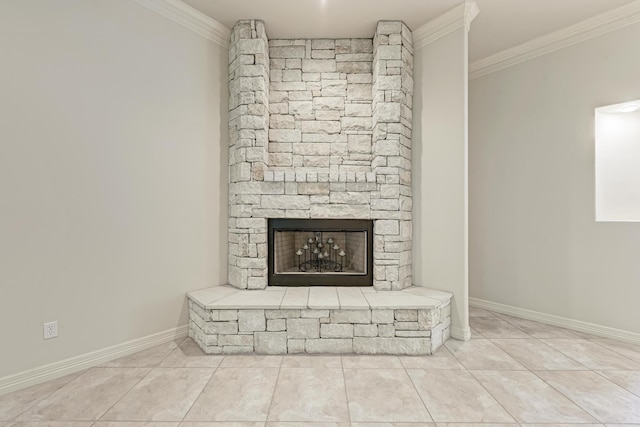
x,y
227,320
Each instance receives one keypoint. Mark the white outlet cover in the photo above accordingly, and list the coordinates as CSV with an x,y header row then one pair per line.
x,y
50,330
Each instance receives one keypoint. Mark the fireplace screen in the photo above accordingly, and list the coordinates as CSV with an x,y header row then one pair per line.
x,y
320,252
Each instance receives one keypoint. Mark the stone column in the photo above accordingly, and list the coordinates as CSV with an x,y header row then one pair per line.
x,y
248,155
392,123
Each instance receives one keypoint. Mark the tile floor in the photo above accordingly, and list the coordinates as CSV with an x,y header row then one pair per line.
x,y
513,372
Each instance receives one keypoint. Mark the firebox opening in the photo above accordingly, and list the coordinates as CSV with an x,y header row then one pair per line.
x,y
326,252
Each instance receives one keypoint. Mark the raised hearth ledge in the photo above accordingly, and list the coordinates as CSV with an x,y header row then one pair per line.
x,y
322,297
226,320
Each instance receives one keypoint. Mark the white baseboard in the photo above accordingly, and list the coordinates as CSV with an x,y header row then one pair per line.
x,y
462,334
563,322
77,363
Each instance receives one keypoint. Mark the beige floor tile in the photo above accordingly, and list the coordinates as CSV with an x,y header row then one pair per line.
x,y
88,396
480,425
593,355
135,424
189,355
629,380
310,394
251,361
496,328
149,358
236,394
371,361
539,330
456,396
586,336
529,399
562,425
481,354
606,401
14,404
311,361
166,394
480,312
628,350
534,354
305,424
48,424
441,359
383,395
393,425
475,334
222,424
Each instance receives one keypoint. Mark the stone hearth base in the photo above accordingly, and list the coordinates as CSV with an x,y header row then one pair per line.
x,y
226,320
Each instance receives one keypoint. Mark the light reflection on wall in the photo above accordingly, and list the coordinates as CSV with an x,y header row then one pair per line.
x,y
617,155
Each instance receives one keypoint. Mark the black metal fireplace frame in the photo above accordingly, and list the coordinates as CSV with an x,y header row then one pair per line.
x,y
320,225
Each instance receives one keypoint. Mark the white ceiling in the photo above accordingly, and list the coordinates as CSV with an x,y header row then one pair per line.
x,y
501,24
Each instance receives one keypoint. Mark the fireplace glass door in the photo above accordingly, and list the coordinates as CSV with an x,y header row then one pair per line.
x,y
320,252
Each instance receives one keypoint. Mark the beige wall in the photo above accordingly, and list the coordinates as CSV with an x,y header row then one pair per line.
x,y
439,172
534,243
112,175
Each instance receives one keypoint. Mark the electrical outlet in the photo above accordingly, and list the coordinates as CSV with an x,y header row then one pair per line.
x,y
50,329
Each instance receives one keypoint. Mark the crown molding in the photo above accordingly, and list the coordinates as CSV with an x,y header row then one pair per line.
x,y
458,17
190,18
612,20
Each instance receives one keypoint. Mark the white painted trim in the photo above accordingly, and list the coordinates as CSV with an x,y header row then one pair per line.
x,y
612,20
77,363
458,17
462,334
190,18
563,322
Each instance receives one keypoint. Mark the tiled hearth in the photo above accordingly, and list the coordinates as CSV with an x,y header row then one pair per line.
x,y
280,320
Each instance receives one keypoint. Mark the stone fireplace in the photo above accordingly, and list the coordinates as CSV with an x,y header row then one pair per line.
x,y
320,129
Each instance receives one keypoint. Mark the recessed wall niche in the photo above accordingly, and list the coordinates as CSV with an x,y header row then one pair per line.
x,y
617,159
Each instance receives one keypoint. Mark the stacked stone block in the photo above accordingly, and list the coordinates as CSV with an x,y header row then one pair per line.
x,y
280,331
392,122
320,102
320,129
248,155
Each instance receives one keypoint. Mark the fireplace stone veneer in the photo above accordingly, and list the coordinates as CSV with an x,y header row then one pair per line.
x,y
320,129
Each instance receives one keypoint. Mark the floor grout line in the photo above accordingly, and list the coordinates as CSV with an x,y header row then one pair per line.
x,y
585,410
515,419
533,372
126,392
200,394
48,395
611,349
420,396
346,393
273,393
